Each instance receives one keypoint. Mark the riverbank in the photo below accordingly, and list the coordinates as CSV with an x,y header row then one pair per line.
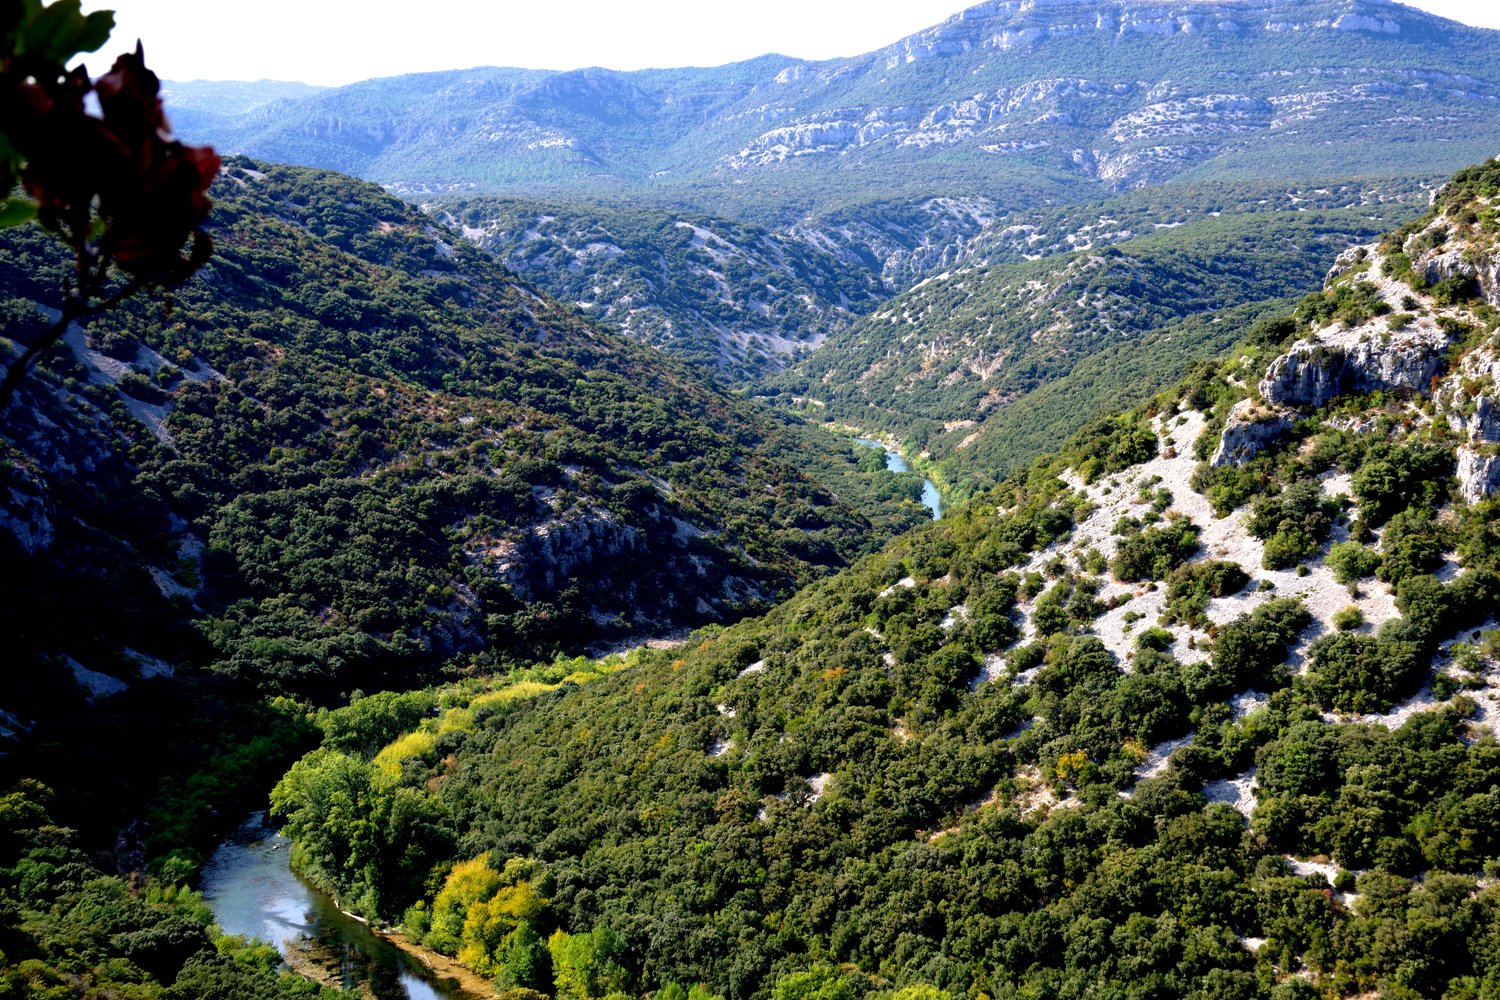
x,y
896,461
249,885
474,987
302,957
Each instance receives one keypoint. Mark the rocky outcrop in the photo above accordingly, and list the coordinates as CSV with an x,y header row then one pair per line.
x,y
1470,397
1483,270
1249,430
1478,474
1482,424
553,552
1307,375
1314,372
26,510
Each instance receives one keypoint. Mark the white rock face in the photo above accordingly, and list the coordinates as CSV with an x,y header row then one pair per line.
x,y
1238,792
1470,398
1247,432
1483,424
26,512
1360,22
1478,474
97,684
1315,371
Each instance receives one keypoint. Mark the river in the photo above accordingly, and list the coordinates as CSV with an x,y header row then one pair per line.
x,y
250,887
931,498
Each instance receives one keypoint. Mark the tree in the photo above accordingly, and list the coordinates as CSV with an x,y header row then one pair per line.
x,y
587,966
115,187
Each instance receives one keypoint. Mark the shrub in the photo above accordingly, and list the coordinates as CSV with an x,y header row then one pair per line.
x,y
1293,523
1414,543
1153,553
1348,619
1351,561
1194,585
1392,478
1355,673
1248,650
1454,289
1155,638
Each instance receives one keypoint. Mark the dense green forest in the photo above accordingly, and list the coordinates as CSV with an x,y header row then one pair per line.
x,y
353,452
969,765
444,457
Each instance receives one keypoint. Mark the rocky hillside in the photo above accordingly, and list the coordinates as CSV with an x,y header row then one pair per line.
x,y
1411,317
1004,100
727,295
749,301
1204,702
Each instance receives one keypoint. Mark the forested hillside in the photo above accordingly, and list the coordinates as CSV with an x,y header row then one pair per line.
x,y
1200,705
446,461
950,366
352,453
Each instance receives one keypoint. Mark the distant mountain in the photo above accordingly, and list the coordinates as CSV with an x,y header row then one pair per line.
x,y
1007,133
1008,101
198,102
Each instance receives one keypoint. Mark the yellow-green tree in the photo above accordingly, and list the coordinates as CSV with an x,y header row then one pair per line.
x,y
487,919
587,966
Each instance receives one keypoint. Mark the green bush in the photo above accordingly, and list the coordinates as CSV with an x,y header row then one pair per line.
x,y
1414,543
1192,586
1152,554
1348,619
1351,561
1249,651
1391,478
1293,523
1454,289
1357,673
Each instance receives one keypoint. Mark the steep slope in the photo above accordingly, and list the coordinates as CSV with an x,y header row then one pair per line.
x,y
906,240
1203,703
727,295
937,364
361,450
1009,101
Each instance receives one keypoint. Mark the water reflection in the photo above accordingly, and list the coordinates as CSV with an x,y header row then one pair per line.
x,y
250,887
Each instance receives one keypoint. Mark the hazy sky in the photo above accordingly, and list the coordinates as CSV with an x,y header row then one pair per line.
x,y
327,42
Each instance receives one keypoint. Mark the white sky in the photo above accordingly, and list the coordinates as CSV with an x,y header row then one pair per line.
x,y
339,41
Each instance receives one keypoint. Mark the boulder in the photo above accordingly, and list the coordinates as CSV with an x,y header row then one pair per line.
x,y
26,510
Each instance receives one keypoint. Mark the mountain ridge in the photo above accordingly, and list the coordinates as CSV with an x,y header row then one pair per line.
x,y
1071,111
